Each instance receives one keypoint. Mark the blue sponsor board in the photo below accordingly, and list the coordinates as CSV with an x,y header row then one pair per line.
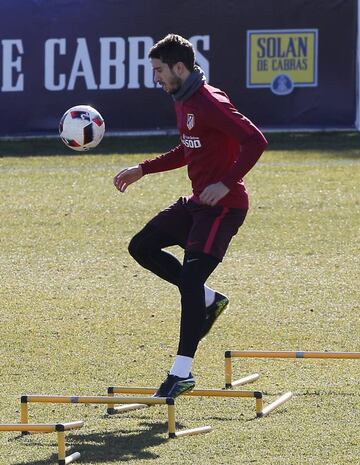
x,y
298,72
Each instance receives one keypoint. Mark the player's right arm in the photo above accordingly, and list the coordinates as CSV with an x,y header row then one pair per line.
x,y
171,160
168,161
127,176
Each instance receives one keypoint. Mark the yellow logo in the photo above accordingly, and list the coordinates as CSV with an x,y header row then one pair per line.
x,y
282,59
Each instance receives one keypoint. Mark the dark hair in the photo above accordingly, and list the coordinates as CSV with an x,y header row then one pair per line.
x,y
172,49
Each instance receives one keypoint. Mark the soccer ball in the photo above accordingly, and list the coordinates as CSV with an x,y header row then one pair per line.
x,y
81,127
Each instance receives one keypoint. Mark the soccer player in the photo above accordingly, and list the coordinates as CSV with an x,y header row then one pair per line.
x,y
219,146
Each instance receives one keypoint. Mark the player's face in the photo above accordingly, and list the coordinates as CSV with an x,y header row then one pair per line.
x,y
165,76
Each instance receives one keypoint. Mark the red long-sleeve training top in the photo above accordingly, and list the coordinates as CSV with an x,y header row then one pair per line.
x,y
217,144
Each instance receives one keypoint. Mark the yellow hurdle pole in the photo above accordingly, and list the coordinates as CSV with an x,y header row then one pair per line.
x,y
171,418
24,410
293,354
36,428
259,405
131,390
55,399
24,413
110,400
61,447
134,403
229,354
61,428
172,424
228,369
110,407
258,395
193,393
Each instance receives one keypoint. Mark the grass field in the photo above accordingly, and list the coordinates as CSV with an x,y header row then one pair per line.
x,y
78,314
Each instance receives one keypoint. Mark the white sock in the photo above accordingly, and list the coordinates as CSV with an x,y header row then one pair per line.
x,y
209,296
182,366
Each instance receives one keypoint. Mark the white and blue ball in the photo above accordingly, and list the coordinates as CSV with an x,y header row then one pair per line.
x,y
81,127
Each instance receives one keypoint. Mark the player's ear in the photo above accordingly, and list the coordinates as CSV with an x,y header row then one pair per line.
x,y
179,68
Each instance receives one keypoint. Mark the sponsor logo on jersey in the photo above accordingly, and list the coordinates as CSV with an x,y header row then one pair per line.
x,y
190,121
282,59
191,142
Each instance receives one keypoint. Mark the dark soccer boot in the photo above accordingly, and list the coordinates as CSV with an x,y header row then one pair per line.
x,y
213,312
173,386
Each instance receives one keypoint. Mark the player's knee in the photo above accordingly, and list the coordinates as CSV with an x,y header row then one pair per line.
x,y
143,243
136,247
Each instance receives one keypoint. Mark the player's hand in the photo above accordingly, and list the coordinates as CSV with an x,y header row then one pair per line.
x,y
127,176
213,193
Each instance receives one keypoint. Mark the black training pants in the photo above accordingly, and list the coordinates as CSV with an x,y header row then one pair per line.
x,y
146,248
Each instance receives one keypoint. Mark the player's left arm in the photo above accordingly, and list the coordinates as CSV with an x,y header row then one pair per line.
x,y
223,116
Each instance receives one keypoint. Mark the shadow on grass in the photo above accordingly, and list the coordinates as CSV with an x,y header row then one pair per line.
x,y
342,144
121,445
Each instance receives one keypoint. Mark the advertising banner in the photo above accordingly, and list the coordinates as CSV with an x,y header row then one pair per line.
x,y
287,64
282,59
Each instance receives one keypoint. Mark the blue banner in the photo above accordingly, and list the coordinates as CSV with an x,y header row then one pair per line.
x,y
293,66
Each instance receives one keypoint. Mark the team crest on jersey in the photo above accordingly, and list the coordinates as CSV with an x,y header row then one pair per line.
x,y
190,121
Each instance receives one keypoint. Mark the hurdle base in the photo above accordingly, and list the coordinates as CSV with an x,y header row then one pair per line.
x,y
126,408
190,432
277,403
70,458
242,381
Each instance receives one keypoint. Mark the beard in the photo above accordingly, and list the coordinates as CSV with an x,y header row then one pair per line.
x,y
174,84
176,87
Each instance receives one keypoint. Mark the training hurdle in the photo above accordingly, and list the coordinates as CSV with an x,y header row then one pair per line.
x,y
111,401
58,428
231,354
261,411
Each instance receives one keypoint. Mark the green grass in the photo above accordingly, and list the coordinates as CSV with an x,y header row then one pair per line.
x,y
78,314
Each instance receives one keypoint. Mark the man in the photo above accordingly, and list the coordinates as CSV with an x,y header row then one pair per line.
x,y
219,146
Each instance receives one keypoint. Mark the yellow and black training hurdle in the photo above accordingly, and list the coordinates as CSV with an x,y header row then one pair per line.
x,y
261,411
290,354
110,401
58,428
